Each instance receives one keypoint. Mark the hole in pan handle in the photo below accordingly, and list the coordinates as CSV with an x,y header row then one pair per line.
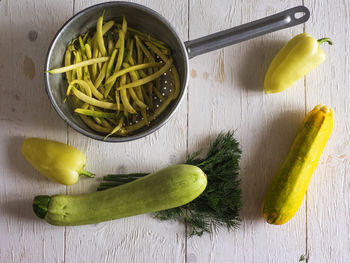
x,y
288,18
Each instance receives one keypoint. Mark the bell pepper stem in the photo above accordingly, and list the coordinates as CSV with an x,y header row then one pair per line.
x,y
325,39
86,173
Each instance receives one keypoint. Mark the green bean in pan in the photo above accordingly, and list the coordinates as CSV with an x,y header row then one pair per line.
x,y
135,77
159,94
94,90
117,99
146,97
117,128
139,54
150,78
81,83
67,61
101,76
147,37
150,87
85,37
82,46
78,65
105,28
110,47
114,76
111,63
142,123
99,35
144,49
94,102
96,119
136,99
106,123
124,97
119,61
88,51
121,51
78,60
86,72
174,73
89,122
94,113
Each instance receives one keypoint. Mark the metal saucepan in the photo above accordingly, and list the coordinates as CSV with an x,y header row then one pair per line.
x,y
147,20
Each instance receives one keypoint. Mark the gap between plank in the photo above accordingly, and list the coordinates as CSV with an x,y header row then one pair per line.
x,y
306,199
187,116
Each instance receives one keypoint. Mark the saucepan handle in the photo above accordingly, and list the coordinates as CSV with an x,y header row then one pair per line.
x,y
288,18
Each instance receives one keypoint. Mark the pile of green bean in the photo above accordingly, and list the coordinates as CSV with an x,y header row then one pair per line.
x,y
114,73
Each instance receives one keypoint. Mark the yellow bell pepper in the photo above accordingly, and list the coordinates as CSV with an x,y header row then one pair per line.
x,y
299,56
55,160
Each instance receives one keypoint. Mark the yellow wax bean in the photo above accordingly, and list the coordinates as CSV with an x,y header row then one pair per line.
x,y
174,72
126,130
117,128
99,35
77,61
121,51
113,78
67,62
110,47
101,76
93,125
152,77
94,102
81,83
144,49
147,37
124,97
88,52
106,124
94,90
110,63
94,66
78,65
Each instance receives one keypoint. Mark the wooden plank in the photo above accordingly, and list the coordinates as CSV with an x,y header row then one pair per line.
x,y
328,193
226,92
25,111
140,238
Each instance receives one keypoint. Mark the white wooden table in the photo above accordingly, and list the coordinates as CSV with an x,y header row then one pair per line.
x,y
225,92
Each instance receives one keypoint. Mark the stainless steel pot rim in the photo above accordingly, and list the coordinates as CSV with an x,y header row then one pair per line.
x,y
142,134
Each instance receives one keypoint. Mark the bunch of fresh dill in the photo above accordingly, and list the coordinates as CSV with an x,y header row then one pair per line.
x,y
219,204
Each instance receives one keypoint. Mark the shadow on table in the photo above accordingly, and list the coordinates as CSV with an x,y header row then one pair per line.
x,y
20,209
266,156
255,62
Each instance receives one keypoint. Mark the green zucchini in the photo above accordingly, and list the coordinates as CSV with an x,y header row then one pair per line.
x,y
170,187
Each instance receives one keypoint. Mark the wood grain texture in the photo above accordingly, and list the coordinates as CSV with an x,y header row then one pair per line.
x,y
328,194
140,238
27,28
226,93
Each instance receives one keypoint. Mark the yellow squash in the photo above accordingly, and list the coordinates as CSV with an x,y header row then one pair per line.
x,y
287,189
